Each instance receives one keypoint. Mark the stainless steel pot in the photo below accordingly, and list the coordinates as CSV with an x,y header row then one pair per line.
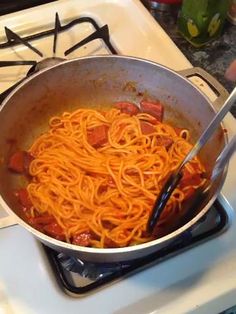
x,y
97,82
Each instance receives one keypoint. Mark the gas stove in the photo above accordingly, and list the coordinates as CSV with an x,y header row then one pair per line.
x,y
196,274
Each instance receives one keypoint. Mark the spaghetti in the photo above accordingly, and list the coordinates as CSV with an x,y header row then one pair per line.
x,y
96,175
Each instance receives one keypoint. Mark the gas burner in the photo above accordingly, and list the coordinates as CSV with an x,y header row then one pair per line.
x,y
77,277
45,63
92,271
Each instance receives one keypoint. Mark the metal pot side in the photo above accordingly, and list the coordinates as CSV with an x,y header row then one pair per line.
x,y
98,82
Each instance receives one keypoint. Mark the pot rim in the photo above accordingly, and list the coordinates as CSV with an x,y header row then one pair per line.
x,y
88,250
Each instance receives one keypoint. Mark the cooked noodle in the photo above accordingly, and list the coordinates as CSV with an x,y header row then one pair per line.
x,y
109,190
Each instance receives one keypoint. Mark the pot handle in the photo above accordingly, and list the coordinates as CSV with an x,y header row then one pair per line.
x,y
7,221
220,92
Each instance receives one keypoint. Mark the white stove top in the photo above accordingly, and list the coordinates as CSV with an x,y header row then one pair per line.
x,y
200,280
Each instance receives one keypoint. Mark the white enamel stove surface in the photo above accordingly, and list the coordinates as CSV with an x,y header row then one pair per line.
x,y
201,280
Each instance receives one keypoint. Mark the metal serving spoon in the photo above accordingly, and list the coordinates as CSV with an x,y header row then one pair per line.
x,y
176,176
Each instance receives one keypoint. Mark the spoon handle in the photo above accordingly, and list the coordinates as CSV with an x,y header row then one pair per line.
x,y
223,158
211,128
160,203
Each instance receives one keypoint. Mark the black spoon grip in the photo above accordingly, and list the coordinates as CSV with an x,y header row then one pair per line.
x,y
161,201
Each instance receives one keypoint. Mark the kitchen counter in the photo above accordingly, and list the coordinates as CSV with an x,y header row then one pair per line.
x,y
213,57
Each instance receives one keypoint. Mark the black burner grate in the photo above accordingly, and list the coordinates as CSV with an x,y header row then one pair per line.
x,y
78,278
13,39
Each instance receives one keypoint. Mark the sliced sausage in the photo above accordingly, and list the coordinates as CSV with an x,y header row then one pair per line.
x,y
82,239
164,141
28,158
155,109
55,231
42,220
127,107
23,198
20,162
16,162
146,127
98,136
178,130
